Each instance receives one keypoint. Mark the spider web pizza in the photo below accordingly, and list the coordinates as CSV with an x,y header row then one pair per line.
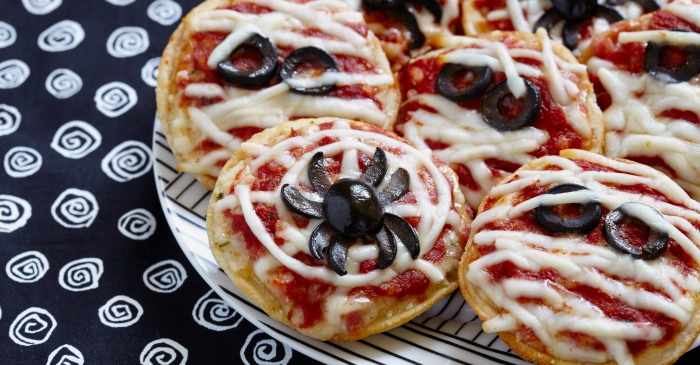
x,y
646,76
570,22
580,258
235,67
408,28
460,102
337,228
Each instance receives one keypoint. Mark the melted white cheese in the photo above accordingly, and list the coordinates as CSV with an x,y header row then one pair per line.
x,y
470,140
267,107
575,259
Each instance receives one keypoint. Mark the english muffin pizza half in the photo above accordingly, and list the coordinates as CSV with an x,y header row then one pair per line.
x,y
580,258
408,28
235,67
647,77
487,105
570,22
337,228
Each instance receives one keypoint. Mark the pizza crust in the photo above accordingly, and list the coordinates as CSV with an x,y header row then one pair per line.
x,y
530,348
182,133
382,314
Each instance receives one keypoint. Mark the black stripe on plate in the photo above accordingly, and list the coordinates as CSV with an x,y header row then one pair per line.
x,y
462,339
401,339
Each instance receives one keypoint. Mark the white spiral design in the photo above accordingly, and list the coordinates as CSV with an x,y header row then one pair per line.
x,y
120,2
76,139
120,311
75,208
213,313
63,83
164,12
66,355
32,327
22,162
62,36
163,351
260,348
9,119
13,73
41,7
115,99
14,213
138,224
27,267
165,276
127,42
149,72
8,35
81,275
127,161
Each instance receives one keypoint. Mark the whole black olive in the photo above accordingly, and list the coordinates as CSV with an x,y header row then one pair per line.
x,y
255,77
655,245
654,66
491,113
352,207
584,223
446,83
547,20
575,9
312,56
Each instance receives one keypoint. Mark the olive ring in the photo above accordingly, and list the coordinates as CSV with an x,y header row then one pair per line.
x,y
308,54
447,88
653,66
492,115
255,77
553,223
656,243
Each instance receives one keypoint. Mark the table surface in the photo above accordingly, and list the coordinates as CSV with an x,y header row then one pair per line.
x,y
93,273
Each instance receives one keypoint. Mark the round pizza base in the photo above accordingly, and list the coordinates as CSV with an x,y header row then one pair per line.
x,y
234,260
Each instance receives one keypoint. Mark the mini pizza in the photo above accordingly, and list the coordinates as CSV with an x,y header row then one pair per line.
x,y
490,104
408,28
570,22
580,258
337,228
646,77
235,67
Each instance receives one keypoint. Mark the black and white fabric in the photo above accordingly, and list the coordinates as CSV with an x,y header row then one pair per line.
x,y
92,273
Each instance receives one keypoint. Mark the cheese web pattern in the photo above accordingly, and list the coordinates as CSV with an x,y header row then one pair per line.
x,y
465,139
543,291
651,120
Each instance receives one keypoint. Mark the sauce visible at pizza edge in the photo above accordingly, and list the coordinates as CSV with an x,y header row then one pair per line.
x,y
612,308
294,287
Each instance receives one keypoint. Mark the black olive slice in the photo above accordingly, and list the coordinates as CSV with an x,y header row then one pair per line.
x,y
337,255
309,55
374,174
407,16
572,29
654,66
387,248
403,233
317,174
553,223
490,107
575,9
447,88
547,20
255,77
320,239
647,5
432,6
656,243
352,207
398,186
299,204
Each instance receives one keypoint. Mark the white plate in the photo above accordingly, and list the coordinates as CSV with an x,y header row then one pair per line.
x,y
448,333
